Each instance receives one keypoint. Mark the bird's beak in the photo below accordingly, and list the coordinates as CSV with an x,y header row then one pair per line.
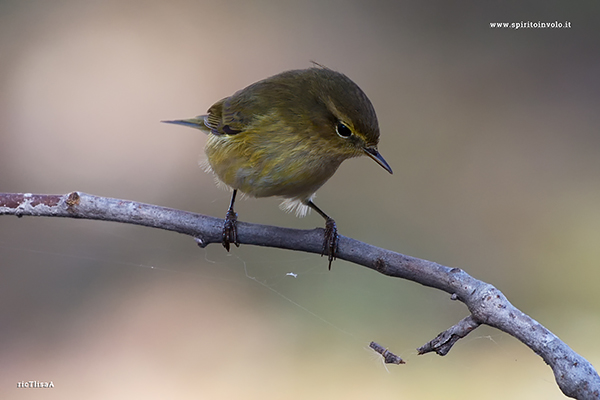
x,y
374,154
197,123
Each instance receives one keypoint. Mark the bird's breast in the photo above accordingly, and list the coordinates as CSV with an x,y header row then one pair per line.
x,y
261,168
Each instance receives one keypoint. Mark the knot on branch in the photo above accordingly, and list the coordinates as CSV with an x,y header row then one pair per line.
x,y
72,201
487,303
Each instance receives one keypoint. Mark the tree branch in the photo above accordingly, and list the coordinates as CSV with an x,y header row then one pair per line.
x,y
574,375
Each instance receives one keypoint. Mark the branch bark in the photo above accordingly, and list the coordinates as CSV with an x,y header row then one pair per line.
x,y
575,376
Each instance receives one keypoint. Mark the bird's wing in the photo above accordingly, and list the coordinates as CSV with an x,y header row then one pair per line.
x,y
221,120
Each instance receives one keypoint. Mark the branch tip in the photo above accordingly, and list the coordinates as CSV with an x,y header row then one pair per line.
x,y
443,343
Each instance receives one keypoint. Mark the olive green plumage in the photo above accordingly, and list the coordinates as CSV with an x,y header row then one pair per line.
x,y
287,135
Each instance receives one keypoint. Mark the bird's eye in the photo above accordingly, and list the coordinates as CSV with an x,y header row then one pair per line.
x,y
343,130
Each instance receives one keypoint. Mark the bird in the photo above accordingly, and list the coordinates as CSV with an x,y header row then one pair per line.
x,y
285,136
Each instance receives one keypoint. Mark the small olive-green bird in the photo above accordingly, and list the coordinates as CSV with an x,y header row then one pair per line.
x,y
286,136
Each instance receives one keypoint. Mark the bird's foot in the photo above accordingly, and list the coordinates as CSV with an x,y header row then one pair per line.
x,y
330,241
230,230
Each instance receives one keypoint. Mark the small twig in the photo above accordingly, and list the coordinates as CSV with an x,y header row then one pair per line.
x,y
388,356
445,340
575,376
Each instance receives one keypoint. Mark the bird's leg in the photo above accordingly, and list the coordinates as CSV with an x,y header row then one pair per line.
x,y
330,239
230,226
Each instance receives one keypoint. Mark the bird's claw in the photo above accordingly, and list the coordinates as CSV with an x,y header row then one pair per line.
x,y
330,241
230,230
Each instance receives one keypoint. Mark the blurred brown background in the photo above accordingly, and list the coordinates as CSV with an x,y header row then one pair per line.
x,y
493,136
